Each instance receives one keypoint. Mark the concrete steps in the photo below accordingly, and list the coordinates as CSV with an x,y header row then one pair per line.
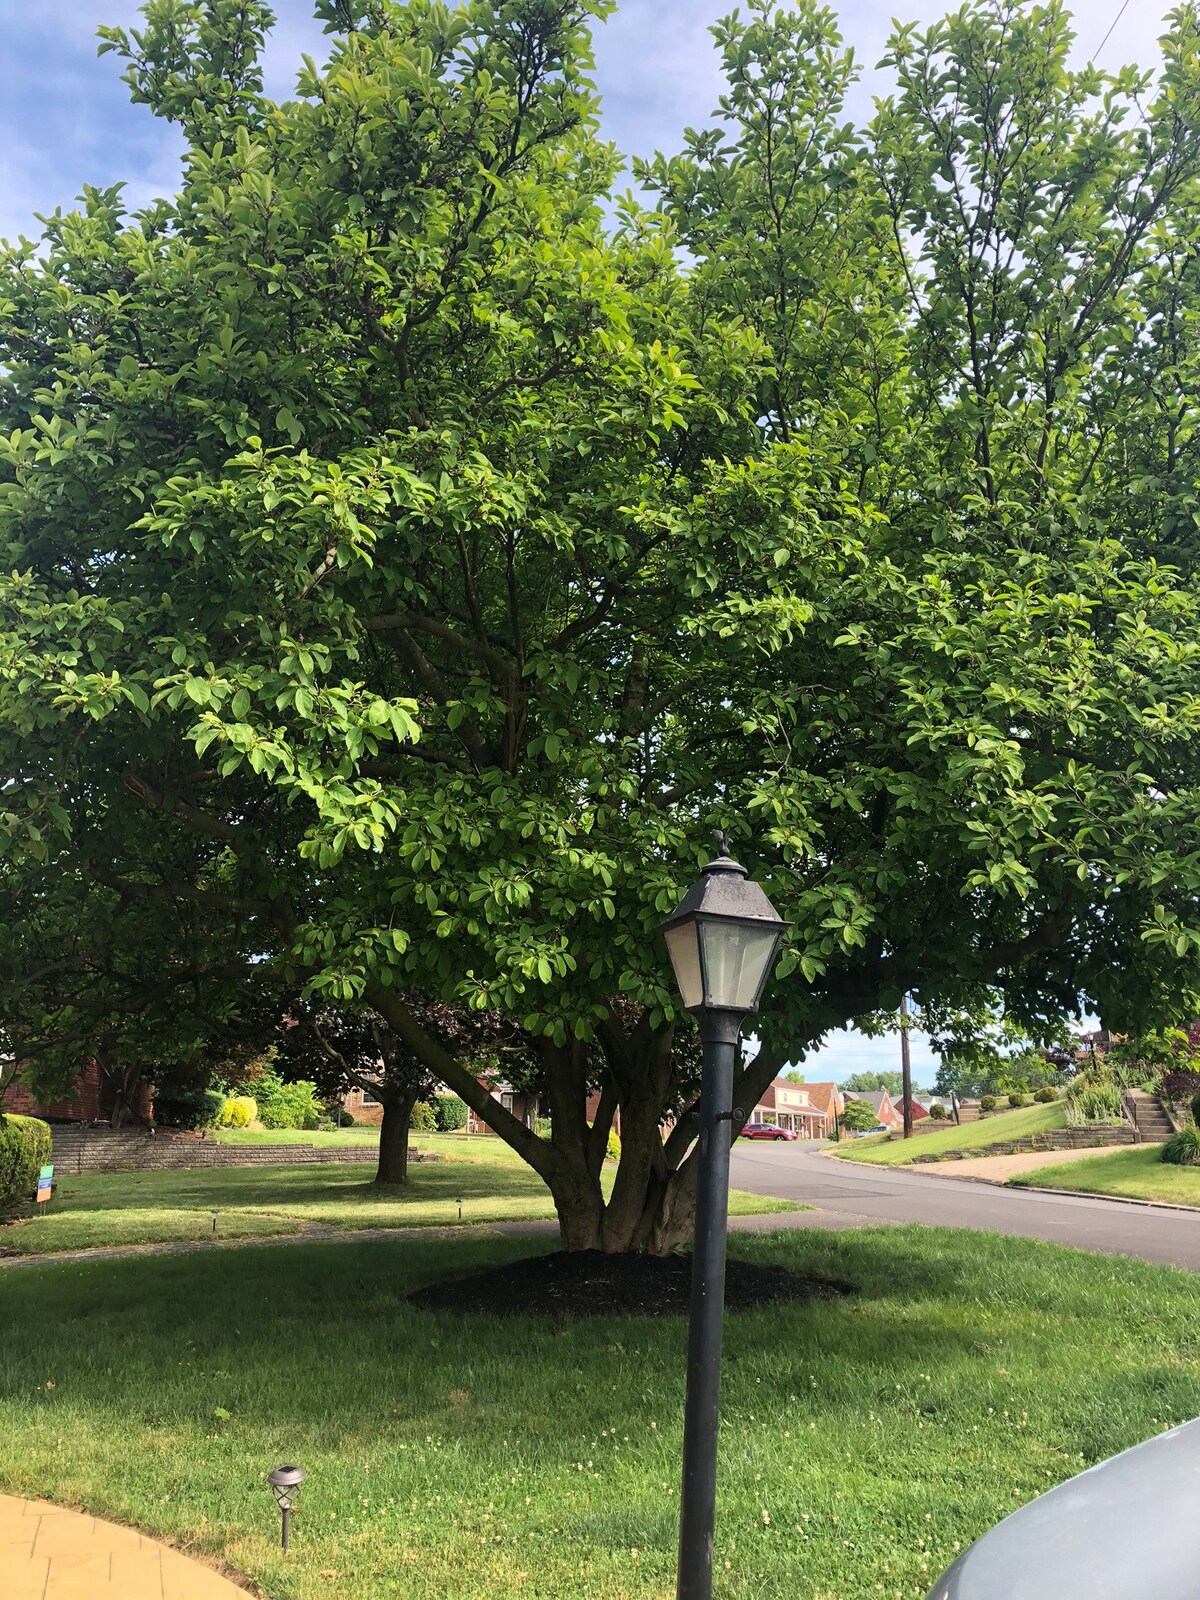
x,y
1153,1124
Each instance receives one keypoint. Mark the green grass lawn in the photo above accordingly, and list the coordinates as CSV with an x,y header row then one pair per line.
x,y
489,1179
339,1136
1137,1173
884,1152
863,1441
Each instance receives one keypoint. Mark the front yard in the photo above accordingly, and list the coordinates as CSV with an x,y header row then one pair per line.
x,y
349,1135
883,1151
478,1180
1137,1174
864,1440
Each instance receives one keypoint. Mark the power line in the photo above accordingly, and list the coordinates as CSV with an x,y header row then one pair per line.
x,y
1112,25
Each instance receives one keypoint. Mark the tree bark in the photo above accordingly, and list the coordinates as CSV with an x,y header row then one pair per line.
x,y
393,1140
651,1207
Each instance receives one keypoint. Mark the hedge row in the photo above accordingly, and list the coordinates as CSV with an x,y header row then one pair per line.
x,y
24,1149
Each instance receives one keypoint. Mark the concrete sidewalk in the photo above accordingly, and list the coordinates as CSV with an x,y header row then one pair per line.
x,y
50,1553
999,1169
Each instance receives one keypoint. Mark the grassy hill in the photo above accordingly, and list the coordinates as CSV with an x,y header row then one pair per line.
x,y
883,1151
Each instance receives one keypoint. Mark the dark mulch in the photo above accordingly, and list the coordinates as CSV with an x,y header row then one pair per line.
x,y
588,1283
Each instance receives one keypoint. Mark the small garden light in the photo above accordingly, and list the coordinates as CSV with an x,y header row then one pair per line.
x,y
285,1483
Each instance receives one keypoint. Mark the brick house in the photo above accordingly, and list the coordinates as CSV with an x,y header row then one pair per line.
x,y
802,1108
359,1105
920,1113
880,1102
523,1106
827,1097
93,1100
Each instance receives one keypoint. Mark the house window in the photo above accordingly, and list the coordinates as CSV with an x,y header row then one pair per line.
x,y
506,1100
368,1099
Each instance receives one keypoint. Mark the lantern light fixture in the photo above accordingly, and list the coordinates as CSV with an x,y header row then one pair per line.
x,y
723,938
285,1485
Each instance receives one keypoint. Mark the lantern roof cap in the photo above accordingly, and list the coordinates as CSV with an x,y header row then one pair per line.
x,y
286,1477
724,889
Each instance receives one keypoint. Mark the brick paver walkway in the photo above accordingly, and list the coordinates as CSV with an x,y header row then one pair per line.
x,y
50,1553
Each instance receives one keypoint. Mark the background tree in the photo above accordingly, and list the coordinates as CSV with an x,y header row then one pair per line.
x,y
857,1116
405,567
342,1048
864,1082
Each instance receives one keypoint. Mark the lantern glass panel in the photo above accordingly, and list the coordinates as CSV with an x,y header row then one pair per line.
x,y
737,961
683,946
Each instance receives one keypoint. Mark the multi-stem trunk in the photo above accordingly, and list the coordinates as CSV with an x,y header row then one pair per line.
x,y
650,1206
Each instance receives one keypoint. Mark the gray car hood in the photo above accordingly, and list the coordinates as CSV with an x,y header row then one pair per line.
x,y
1124,1530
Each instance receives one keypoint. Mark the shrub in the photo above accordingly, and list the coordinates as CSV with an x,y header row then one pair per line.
x,y
239,1111
24,1148
614,1145
1094,1103
987,1102
1182,1149
183,1106
1180,1085
938,1112
1045,1096
423,1119
450,1113
1016,1099
1196,1110
285,1105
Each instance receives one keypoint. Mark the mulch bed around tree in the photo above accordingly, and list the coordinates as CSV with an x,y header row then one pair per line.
x,y
588,1283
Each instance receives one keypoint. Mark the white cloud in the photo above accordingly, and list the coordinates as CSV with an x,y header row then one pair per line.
x,y
65,118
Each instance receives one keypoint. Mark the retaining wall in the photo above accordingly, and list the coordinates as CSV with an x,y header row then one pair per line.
x,y
1056,1139
78,1148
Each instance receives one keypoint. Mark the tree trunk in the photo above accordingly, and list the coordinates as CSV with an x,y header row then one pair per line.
x,y
393,1140
651,1208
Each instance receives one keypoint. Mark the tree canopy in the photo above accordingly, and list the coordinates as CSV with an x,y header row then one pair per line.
x,y
411,550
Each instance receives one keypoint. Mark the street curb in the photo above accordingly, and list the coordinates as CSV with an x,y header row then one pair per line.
x,y
1028,1188
1087,1194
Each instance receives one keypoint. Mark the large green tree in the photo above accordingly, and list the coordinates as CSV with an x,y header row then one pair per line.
x,y
408,558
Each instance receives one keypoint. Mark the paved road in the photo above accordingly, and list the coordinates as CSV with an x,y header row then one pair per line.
x,y
851,1194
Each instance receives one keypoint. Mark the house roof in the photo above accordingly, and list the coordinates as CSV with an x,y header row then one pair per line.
x,y
767,1100
826,1097
875,1098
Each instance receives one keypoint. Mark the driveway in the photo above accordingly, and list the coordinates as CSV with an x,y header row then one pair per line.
x,y
851,1194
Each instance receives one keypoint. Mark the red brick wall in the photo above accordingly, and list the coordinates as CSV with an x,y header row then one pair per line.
x,y
92,1102
353,1108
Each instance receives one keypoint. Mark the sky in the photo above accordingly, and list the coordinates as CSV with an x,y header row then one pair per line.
x,y
66,120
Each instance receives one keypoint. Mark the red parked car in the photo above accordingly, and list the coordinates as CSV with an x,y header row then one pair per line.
x,y
765,1130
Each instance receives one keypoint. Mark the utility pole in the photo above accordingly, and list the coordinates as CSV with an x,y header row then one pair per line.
x,y
906,1068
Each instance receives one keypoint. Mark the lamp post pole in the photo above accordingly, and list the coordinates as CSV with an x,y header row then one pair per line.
x,y
701,1423
722,938
905,1069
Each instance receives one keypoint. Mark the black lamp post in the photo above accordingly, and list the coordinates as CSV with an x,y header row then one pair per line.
x,y
723,939
285,1483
